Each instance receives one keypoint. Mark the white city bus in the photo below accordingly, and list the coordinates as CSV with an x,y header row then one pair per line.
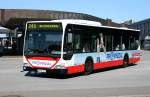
x,y
75,46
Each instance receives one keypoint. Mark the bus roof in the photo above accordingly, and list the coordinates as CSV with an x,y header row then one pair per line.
x,y
84,22
79,22
120,28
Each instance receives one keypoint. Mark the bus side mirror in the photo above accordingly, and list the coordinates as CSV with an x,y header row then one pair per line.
x,y
69,37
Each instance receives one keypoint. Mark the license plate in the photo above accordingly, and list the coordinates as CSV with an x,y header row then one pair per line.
x,y
40,70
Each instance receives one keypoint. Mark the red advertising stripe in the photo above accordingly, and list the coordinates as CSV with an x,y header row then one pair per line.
x,y
134,60
108,64
80,68
75,69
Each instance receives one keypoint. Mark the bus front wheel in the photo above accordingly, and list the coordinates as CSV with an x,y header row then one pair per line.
x,y
88,67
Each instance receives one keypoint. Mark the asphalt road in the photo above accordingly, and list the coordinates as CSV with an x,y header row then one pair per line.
x,y
131,81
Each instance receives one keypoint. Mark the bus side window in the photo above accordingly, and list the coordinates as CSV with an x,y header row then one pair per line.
x,y
100,44
86,48
137,43
117,47
68,41
123,46
94,43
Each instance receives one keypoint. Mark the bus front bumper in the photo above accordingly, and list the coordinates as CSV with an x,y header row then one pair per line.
x,y
49,71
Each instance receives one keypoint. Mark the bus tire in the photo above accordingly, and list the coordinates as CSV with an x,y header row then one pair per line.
x,y
125,61
88,67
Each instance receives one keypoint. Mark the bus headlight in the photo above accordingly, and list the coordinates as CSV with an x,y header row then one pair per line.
x,y
26,65
60,67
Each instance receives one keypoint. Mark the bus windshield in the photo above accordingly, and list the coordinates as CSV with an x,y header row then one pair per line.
x,y
43,39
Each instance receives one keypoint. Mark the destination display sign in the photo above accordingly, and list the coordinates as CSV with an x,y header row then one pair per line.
x,y
44,26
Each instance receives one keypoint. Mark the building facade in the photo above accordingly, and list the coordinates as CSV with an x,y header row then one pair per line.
x,y
144,27
20,16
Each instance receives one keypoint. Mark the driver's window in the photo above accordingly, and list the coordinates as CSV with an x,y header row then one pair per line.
x,y
68,40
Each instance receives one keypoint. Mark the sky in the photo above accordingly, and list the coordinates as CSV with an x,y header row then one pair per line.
x,y
117,10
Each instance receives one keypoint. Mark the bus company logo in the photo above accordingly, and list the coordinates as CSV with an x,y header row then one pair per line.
x,y
112,56
39,63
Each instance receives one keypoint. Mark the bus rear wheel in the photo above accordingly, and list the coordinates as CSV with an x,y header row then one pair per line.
x,y
88,67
